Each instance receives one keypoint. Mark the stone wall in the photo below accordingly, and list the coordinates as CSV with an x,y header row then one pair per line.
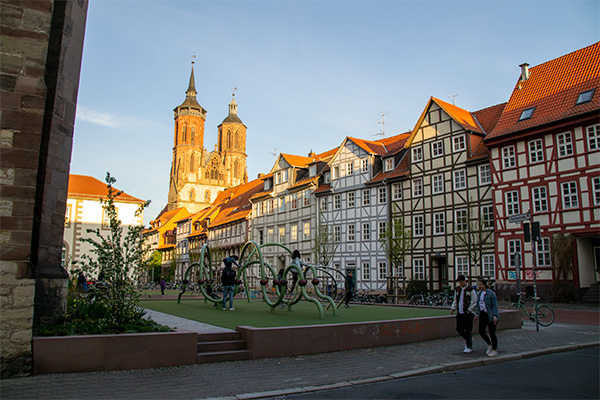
x,y
42,42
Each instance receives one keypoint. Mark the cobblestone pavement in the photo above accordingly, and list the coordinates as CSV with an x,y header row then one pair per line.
x,y
277,377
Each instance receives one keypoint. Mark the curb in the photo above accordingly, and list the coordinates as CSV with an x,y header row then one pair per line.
x,y
455,366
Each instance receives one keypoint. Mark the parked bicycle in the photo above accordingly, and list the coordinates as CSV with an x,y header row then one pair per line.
x,y
545,313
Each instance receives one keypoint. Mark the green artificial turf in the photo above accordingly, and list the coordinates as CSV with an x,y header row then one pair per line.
x,y
258,314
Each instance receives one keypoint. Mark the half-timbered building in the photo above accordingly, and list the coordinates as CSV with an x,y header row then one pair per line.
x,y
545,160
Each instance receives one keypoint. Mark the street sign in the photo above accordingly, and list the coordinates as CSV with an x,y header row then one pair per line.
x,y
516,218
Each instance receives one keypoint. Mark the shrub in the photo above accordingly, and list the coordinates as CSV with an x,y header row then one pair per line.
x,y
416,286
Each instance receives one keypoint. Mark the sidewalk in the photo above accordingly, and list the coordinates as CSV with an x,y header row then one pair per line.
x,y
278,377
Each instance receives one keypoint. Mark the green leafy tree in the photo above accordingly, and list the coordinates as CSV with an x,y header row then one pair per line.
x,y
154,266
324,243
396,242
119,255
473,236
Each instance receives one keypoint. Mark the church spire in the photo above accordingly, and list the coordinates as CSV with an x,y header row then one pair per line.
x,y
233,104
191,90
190,101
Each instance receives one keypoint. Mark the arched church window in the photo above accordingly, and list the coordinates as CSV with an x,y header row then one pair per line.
x,y
207,195
184,133
228,139
193,135
236,166
192,163
192,195
237,140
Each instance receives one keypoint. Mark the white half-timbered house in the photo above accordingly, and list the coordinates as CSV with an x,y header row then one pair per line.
x,y
441,184
545,159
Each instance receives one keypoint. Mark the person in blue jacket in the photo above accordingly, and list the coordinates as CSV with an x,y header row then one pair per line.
x,y
487,311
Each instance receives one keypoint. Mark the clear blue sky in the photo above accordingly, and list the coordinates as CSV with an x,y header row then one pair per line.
x,y
308,73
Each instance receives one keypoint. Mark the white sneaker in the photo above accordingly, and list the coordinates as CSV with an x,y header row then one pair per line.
x,y
493,353
467,350
231,309
224,309
489,350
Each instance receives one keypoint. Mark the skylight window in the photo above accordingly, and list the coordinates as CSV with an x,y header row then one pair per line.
x,y
586,96
526,114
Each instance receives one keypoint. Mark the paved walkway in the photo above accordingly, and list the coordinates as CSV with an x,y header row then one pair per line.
x,y
278,377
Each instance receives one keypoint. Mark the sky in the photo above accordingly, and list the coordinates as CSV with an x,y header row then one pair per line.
x,y
307,73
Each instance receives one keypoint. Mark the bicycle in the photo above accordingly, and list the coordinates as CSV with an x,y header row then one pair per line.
x,y
545,313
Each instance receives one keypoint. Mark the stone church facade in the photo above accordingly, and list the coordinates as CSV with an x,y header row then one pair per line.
x,y
197,175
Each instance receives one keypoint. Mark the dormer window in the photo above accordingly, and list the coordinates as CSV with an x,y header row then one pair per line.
x,y
526,114
313,170
327,177
267,184
585,97
389,164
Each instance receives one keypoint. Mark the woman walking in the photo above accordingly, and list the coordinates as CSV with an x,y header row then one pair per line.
x,y
487,311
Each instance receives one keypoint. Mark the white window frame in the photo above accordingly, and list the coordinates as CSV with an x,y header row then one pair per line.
x,y
294,234
366,271
536,151
596,190
418,225
459,143
337,234
570,197
335,172
439,223
485,174
461,265
565,144
461,220
508,157
389,164
488,266
366,231
543,252
460,179
437,182
349,168
351,199
366,197
281,234
306,198
351,233
382,195
306,230
364,165
312,170
417,187
382,270
437,148
487,213
513,247
593,134
512,202
539,196
323,203
417,154
419,269
337,201
382,228
396,191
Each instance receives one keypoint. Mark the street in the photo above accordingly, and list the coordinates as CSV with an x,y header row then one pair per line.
x,y
569,375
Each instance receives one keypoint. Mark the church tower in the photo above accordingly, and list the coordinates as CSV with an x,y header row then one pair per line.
x,y
232,146
188,150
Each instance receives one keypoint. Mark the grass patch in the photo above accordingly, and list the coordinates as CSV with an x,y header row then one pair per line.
x,y
258,314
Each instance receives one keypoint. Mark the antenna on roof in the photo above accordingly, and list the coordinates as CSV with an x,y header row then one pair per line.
x,y
452,98
274,154
382,123
193,57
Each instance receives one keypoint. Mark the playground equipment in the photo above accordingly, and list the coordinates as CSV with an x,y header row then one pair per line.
x,y
276,291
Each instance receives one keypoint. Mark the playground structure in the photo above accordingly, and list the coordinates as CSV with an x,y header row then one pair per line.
x,y
277,290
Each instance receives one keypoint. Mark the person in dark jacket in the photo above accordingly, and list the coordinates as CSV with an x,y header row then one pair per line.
x,y
487,312
162,285
349,288
82,282
228,282
465,299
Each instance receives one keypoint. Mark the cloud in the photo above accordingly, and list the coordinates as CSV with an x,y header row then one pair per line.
x,y
96,117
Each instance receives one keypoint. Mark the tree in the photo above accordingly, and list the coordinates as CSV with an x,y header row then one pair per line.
x,y
119,255
324,243
154,266
473,236
396,242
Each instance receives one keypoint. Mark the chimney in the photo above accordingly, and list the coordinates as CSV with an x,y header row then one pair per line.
x,y
261,175
312,154
524,72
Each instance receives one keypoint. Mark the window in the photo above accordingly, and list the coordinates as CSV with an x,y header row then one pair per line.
x,y
382,195
418,225
312,171
294,233
508,157
366,200
327,178
596,189
282,234
397,191
418,187
260,208
337,235
543,252
294,201
526,114
514,253
270,206
68,215
207,195
437,148
351,232
192,162
337,202
419,269
461,218
323,203
307,198
565,146
487,212
351,199
439,223
382,270
364,165
569,195
540,199
389,164
270,235
366,231
192,195
261,237
366,271
460,179
586,96
335,172
282,204
512,202
593,133
487,266
382,228
417,154
459,143
462,265
106,217
350,168
536,151
306,230
485,174
438,183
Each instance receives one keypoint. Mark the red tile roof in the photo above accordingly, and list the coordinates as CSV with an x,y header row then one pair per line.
x,y
369,146
460,115
237,205
488,117
553,88
297,161
87,187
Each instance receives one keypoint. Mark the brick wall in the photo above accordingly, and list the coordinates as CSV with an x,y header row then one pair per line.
x,y
42,42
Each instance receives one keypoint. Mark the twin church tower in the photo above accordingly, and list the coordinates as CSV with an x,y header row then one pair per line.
x,y
197,175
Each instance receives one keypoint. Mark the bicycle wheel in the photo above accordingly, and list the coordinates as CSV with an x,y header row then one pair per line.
x,y
545,315
517,307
